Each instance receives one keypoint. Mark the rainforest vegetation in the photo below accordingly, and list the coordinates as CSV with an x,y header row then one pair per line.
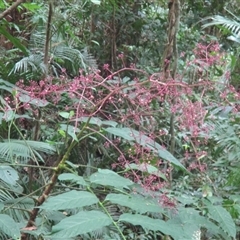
x,y
119,119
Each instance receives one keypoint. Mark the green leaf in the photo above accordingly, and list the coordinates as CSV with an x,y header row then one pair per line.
x,y
223,217
81,223
66,115
70,200
13,40
34,101
135,202
72,177
93,120
31,6
109,178
71,130
149,223
133,135
145,167
8,175
121,132
9,227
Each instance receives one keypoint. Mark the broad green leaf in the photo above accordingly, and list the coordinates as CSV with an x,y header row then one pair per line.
x,y
145,167
66,115
135,202
121,132
70,200
72,177
133,135
35,101
9,227
109,178
82,222
150,223
109,123
223,217
8,175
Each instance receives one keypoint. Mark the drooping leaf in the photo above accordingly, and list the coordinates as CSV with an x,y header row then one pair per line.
x,y
81,223
9,175
109,178
15,41
70,200
135,202
133,135
150,223
9,226
72,177
223,217
121,132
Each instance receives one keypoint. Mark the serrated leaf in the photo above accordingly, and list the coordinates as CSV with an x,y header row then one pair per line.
x,y
70,200
109,178
8,175
223,217
72,177
81,223
135,202
9,227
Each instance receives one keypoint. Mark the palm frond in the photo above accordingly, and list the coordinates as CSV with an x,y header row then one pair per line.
x,y
33,62
23,150
230,24
16,207
63,55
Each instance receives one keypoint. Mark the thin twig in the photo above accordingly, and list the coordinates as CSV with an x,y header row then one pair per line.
x,y
11,8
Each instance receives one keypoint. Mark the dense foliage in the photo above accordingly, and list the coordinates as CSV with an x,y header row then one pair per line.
x,y
119,120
